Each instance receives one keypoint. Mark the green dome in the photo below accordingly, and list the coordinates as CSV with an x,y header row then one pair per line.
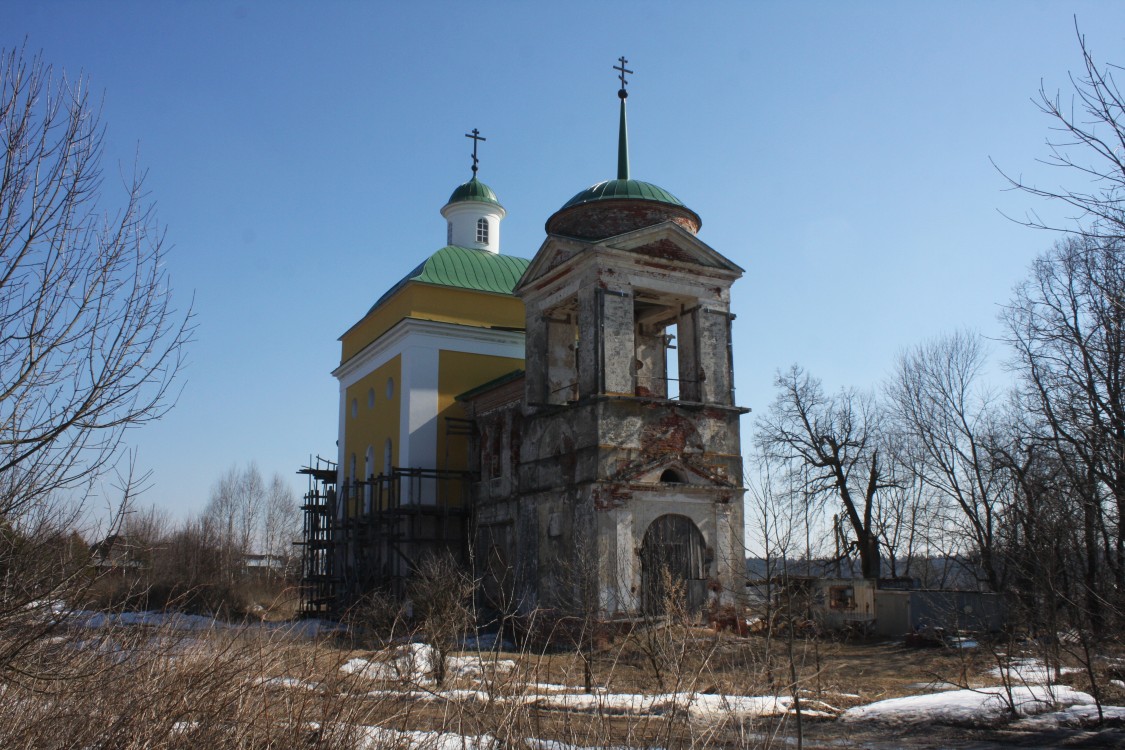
x,y
624,190
473,190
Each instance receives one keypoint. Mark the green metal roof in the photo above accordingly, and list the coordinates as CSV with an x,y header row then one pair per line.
x,y
473,190
465,268
624,190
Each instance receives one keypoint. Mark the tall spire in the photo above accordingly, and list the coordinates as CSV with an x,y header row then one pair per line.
x,y
623,132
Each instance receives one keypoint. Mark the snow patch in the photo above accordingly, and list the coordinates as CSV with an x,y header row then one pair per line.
x,y
1083,714
173,620
699,706
960,706
412,662
417,662
533,743
379,737
1028,672
286,682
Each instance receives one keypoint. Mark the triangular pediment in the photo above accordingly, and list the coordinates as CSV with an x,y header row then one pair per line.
x,y
670,241
674,473
665,242
554,252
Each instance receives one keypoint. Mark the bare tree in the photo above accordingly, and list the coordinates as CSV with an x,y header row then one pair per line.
x,y
838,439
946,416
143,531
778,521
148,525
1066,325
282,521
441,592
90,342
233,516
220,519
905,516
1089,141
1039,526
251,502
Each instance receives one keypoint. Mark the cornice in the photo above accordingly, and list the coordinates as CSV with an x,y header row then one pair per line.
x,y
410,332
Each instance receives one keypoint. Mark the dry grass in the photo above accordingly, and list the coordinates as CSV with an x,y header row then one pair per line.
x,y
258,688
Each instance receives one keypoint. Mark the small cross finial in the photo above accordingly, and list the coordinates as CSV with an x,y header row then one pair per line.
x,y
622,70
477,137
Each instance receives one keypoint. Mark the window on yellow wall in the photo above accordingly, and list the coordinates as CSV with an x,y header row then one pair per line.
x,y
370,398
390,388
355,408
388,454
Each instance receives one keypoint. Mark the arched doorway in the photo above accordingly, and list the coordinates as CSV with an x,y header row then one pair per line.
x,y
673,543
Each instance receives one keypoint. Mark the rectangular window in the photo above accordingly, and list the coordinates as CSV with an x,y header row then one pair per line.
x,y
841,597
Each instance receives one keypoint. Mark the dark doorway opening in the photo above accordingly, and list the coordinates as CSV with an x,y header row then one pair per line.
x,y
673,565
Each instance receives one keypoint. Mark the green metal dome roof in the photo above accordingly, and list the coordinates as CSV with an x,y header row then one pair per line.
x,y
465,268
623,190
473,190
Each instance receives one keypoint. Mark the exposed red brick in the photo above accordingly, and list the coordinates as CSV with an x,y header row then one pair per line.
x,y
550,279
670,435
609,218
665,249
611,496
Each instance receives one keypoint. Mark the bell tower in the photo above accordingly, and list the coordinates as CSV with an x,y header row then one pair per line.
x,y
630,462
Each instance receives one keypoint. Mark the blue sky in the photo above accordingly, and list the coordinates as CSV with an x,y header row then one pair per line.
x,y
299,153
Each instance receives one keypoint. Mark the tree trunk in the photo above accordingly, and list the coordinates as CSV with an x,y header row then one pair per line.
x,y
869,562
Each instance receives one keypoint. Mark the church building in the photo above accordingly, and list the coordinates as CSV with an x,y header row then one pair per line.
x,y
566,426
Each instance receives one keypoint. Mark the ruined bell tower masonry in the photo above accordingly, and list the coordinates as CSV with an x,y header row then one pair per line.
x,y
613,466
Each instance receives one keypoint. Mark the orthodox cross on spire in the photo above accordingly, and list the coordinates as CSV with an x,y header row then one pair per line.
x,y
477,137
623,132
622,71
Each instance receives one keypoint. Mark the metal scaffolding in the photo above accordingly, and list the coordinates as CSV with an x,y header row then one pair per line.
x,y
371,534
318,581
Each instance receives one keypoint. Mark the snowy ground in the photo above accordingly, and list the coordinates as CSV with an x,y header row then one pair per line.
x,y
982,705
1030,703
1028,672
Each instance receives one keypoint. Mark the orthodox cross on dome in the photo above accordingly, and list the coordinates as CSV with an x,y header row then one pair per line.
x,y
477,137
622,70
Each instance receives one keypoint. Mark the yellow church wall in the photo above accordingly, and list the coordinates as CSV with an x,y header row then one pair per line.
x,y
439,303
372,425
459,372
